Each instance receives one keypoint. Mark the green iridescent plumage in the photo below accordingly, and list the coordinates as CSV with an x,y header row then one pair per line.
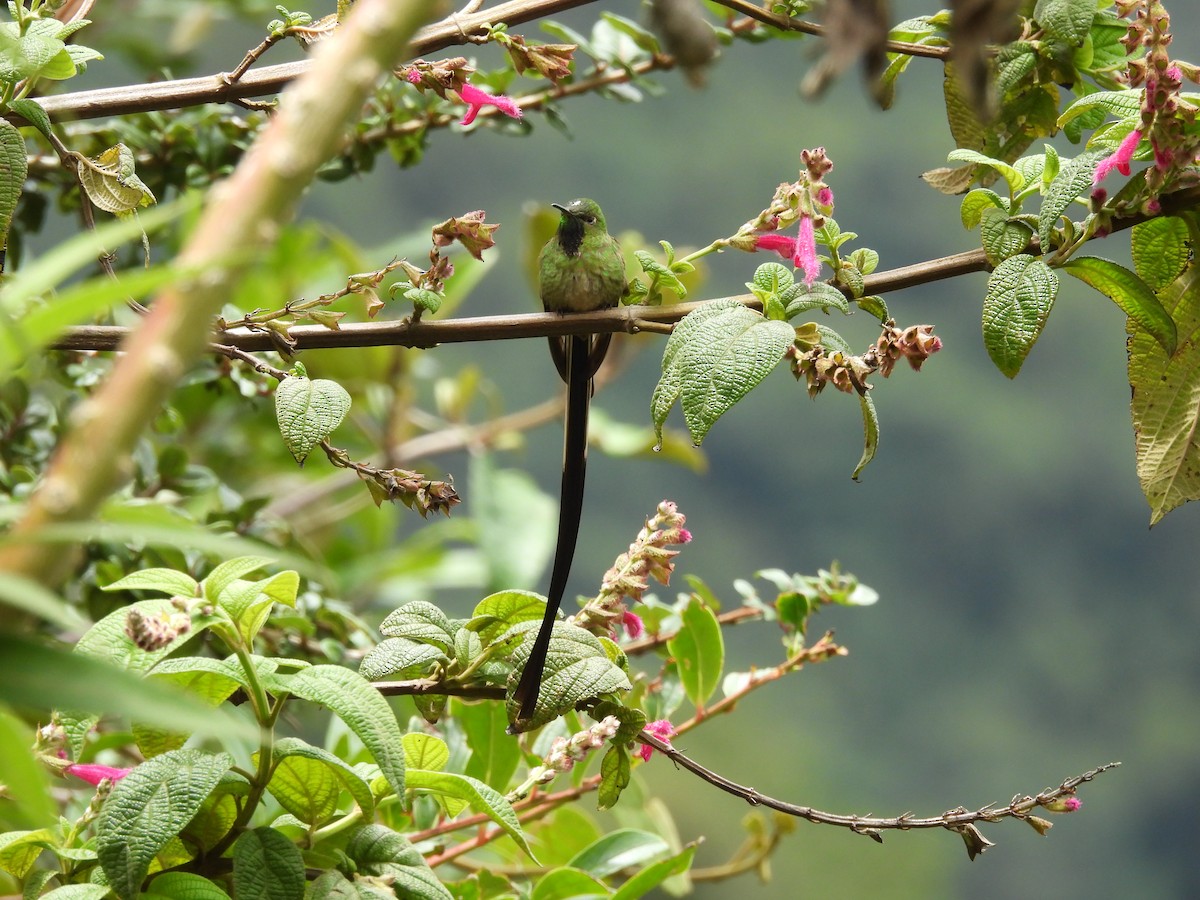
x,y
581,268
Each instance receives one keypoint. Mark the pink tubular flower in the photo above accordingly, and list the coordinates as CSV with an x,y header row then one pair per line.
x,y
477,100
661,729
94,774
633,625
1120,159
802,250
413,76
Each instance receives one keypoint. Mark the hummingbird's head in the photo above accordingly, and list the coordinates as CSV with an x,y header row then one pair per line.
x,y
579,218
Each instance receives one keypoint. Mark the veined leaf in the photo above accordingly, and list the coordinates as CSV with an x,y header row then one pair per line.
x,y
624,848
1068,20
1073,179
497,613
1161,249
184,886
306,780
308,411
1166,401
361,707
1118,104
382,853
1001,236
1130,293
111,181
1020,295
1015,179
479,796
147,808
716,355
400,658
166,581
870,434
419,621
577,669
976,201
13,169
267,866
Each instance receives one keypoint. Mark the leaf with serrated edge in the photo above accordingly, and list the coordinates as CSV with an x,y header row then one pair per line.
x,y
294,748
361,707
13,169
167,581
1001,238
1130,293
147,808
1161,249
400,657
728,356
1020,295
1073,178
419,621
699,652
308,411
497,613
426,751
1165,404
230,571
185,886
384,853
1067,20
1015,179
479,796
248,603
267,866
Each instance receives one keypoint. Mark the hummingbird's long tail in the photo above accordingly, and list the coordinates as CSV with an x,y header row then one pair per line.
x,y
577,361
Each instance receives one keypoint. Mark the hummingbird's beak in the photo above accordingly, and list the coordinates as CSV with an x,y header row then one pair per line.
x,y
562,209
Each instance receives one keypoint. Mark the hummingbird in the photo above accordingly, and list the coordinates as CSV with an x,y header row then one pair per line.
x,y
581,268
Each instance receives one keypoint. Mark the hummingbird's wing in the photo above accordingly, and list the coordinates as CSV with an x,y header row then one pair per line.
x,y
576,361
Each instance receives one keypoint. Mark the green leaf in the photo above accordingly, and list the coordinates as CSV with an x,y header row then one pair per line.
x,y
27,789
213,680
31,111
19,850
111,181
497,613
166,581
185,886
1161,248
1013,63
1015,179
147,808
874,306
477,795
699,652
1118,104
419,621
624,848
644,39
248,603
267,866
424,299
818,295
13,169
400,658
716,355
308,411
568,884
870,434
1130,293
226,573
1001,236
577,669
655,874
1072,179
666,278
78,892
426,751
976,201
965,126
361,707
1020,295
1166,402
293,761
1068,20
388,855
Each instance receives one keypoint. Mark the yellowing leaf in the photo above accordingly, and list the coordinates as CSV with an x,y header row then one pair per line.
x,y
111,182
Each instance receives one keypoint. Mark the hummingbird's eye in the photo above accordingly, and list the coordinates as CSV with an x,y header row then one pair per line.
x,y
591,220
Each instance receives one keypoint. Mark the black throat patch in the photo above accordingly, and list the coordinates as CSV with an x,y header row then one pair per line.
x,y
570,235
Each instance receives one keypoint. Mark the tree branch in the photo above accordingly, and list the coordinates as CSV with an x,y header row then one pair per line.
x,y
953,819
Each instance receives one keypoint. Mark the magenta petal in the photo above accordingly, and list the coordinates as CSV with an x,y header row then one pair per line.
x,y
806,250
94,774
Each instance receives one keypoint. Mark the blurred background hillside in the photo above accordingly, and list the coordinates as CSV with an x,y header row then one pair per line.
x,y
1030,625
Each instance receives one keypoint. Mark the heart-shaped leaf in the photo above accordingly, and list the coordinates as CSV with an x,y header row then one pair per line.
x,y
308,411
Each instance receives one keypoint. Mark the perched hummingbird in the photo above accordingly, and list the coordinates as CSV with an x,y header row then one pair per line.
x,y
581,268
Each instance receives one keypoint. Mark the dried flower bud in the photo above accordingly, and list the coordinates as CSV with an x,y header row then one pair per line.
x,y
152,632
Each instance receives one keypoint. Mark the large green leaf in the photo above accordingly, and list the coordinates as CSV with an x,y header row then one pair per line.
x,y
1072,179
306,780
419,621
1166,401
1130,293
497,613
24,777
13,169
716,355
477,795
386,854
699,652
655,874
565,883
1068,20
267,866
185,886
621,849
32,597
248,603
147,808
308,411
361,707
577,668
1020,295
400,658
1161,248
19,850
494,754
